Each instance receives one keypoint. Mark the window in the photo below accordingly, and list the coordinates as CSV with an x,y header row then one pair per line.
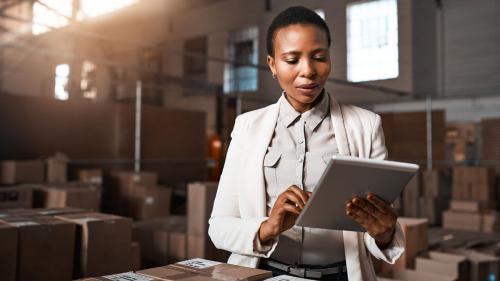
x,y
87,83
241,76
195,67
372,41
58,13
62,80
94,8
51,13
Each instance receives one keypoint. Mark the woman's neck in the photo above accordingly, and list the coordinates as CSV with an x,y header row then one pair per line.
x,y
303,107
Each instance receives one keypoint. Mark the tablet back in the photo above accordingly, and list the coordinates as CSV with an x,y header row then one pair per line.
x,y
345,177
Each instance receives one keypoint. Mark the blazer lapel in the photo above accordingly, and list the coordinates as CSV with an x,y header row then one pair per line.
x,y
339,127
260,137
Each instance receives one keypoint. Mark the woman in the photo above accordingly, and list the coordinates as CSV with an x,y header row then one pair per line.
x,y
277,155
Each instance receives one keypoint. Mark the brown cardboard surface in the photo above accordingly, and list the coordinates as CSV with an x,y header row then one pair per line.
x,y
201,196
491,222
123,183
445,264
93,176
149,202
413,275
474,183
411,196
16,197
481,265
88,198
103,244
8,252
45,248
432,208
471,205
135,256
433,184
200,269
462,220
415,231
57,168
202,247
12,172
143,232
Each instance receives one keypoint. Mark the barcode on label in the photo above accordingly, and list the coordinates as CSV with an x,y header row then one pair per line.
x,y
129,276
198,263
286,278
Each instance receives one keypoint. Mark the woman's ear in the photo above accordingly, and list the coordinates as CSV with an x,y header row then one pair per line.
x,y
270,63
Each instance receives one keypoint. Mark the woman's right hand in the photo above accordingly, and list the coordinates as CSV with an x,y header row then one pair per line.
x,y
285,211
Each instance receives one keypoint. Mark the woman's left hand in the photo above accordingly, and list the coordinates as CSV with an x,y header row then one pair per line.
x,y
375,215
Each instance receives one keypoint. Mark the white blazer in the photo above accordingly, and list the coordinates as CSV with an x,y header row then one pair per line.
x,y
240,204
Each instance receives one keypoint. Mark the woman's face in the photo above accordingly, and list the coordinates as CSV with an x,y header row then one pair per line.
x,y
301,63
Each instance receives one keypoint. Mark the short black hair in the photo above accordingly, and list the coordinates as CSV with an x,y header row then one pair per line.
x,y
294,15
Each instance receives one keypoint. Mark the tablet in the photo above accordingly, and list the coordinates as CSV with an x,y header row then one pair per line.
x,y
345,177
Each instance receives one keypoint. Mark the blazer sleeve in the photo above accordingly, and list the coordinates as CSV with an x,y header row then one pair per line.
x,y
227,229
397,247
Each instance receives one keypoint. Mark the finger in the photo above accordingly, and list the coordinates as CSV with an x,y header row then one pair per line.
x,y
379,203
299,192
366,206
290,208
361,221
357,211
290,197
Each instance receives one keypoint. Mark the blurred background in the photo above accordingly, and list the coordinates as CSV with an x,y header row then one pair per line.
x,y
125,107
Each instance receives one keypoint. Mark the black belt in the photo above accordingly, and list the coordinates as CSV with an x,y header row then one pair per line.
x,y
308,272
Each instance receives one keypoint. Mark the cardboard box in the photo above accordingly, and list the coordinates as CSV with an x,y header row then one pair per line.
x,y
474,183
491,222
8,252
472,206
434,185
200,200
149,202
468,221
16,197
122,187
13,172
200,269
202,247
415,275
88,198
92,176
154,248
126,276
45,248
452,265
103,244
411,195
415,232
57,168
482,266
40,212
135,256
432,209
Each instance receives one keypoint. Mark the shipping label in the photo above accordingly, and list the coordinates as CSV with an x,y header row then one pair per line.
x,y
198,263
128,276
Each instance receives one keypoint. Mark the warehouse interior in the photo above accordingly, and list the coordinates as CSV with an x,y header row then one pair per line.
x,y
116,117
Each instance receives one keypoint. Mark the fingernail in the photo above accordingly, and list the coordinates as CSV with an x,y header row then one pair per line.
x,y
355,200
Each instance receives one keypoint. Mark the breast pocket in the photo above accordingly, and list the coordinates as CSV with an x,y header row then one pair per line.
x,y
315,166
270,171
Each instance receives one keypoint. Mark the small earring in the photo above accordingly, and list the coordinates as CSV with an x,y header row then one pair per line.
x,y
274,76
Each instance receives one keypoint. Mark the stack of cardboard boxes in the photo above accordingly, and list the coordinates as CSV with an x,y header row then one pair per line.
x,y
474,200
201,196
162,240
63,244
14,172
78,195
139,196
435,196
